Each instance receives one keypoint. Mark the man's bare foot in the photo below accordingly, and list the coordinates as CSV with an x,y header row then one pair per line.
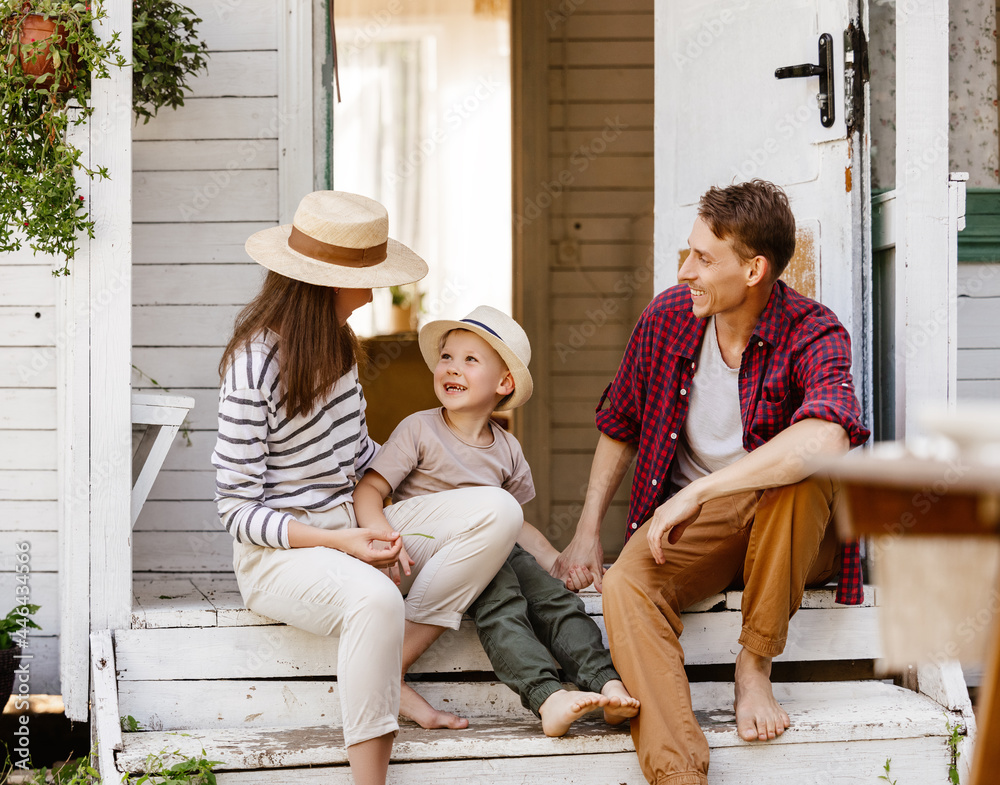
x,y
759,717
563,707
414,707
621,705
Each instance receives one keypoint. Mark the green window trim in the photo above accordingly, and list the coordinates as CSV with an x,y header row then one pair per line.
x,y
980,240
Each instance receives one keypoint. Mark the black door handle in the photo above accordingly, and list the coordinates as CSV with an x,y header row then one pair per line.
x,y
824,70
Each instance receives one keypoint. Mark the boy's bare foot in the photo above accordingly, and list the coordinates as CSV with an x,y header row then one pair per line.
x,y
563,707
414,707
759,717
621,705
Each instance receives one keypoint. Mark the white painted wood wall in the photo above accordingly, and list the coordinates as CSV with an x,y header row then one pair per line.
x,y
28,477
601,141
205,178
979,331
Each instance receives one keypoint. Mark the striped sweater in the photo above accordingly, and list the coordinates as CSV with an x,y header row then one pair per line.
x,y
267,463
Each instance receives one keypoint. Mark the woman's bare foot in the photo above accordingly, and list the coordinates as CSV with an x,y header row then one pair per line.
x,y
414,707
563,707
759,717
621,705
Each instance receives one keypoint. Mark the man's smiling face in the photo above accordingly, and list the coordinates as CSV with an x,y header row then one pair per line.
x,y
714,273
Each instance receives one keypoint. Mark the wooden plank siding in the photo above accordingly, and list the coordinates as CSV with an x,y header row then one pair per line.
x,y
28,470
597,199
979,331
205,178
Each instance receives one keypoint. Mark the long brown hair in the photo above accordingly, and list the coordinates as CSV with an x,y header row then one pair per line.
x,y
315,350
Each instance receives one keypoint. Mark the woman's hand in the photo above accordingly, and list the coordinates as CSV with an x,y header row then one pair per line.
x,y
369,545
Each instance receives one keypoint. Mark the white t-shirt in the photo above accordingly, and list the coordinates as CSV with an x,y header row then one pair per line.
x,y
712,437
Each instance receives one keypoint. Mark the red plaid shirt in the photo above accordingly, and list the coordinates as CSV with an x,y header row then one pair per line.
x,y
796,366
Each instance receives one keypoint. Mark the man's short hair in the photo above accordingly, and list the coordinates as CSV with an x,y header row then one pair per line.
x,y
755,218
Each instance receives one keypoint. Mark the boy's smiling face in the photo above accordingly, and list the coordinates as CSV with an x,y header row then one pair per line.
x,y
470,376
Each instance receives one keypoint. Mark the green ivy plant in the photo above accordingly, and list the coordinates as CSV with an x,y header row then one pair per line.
x,y
39,202
165,52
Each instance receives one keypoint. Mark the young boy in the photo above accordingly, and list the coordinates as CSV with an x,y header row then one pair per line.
x,y
480,365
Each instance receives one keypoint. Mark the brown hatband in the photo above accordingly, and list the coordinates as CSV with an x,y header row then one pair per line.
x,y
335,254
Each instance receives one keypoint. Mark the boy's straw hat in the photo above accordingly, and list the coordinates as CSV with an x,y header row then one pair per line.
x,y
498,330
337,239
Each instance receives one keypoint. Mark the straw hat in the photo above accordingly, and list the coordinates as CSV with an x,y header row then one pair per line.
x,y
337,239
498,330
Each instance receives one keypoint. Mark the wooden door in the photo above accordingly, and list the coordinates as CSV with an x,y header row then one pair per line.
x,y
722,117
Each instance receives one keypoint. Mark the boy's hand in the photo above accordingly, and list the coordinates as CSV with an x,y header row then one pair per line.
x,y
578,579
403,562
580,554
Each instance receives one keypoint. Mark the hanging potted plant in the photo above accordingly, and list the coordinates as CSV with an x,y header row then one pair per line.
x,y
50,54
165,53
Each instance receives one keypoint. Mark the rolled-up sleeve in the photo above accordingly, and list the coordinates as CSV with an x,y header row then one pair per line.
x,y
824,374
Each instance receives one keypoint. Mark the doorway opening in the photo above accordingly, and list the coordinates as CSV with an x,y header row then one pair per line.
x,y
424,127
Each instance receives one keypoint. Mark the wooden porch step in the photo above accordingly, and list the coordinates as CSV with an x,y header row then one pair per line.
x,y
846,729
818,633
206,677
213,600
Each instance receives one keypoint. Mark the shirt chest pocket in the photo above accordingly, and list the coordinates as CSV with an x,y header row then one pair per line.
x,y
770,418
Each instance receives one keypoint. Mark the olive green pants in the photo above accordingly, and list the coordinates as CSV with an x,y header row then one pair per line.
x,y
525,617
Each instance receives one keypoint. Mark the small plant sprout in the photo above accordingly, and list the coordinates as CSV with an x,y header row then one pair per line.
x,y
130,724
955,734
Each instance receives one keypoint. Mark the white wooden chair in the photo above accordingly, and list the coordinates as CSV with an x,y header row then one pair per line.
x,y
163,416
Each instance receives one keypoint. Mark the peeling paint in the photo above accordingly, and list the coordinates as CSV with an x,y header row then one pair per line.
x,y
801,273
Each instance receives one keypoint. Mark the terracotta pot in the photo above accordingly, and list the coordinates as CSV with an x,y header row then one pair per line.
x,y
401,320
32,49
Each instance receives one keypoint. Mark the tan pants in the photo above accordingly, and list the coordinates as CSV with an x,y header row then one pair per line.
x,y
773,543
327,592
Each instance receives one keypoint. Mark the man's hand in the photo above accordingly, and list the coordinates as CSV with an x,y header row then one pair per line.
x,y
583,557
671,519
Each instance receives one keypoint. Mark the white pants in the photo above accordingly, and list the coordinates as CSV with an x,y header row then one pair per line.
x,y
327,592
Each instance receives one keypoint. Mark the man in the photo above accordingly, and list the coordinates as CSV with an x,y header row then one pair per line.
x,y
730,383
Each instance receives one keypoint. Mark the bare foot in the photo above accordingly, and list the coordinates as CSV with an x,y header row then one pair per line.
x,y
621,705
563,707
758,715
414,707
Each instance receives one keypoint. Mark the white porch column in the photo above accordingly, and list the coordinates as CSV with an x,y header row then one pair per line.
x,y
925,325
111,337
95,408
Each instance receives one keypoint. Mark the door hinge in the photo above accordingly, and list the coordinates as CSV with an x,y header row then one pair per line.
x,y
856,74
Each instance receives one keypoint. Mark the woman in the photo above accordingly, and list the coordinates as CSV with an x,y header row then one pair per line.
x,y
292,444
